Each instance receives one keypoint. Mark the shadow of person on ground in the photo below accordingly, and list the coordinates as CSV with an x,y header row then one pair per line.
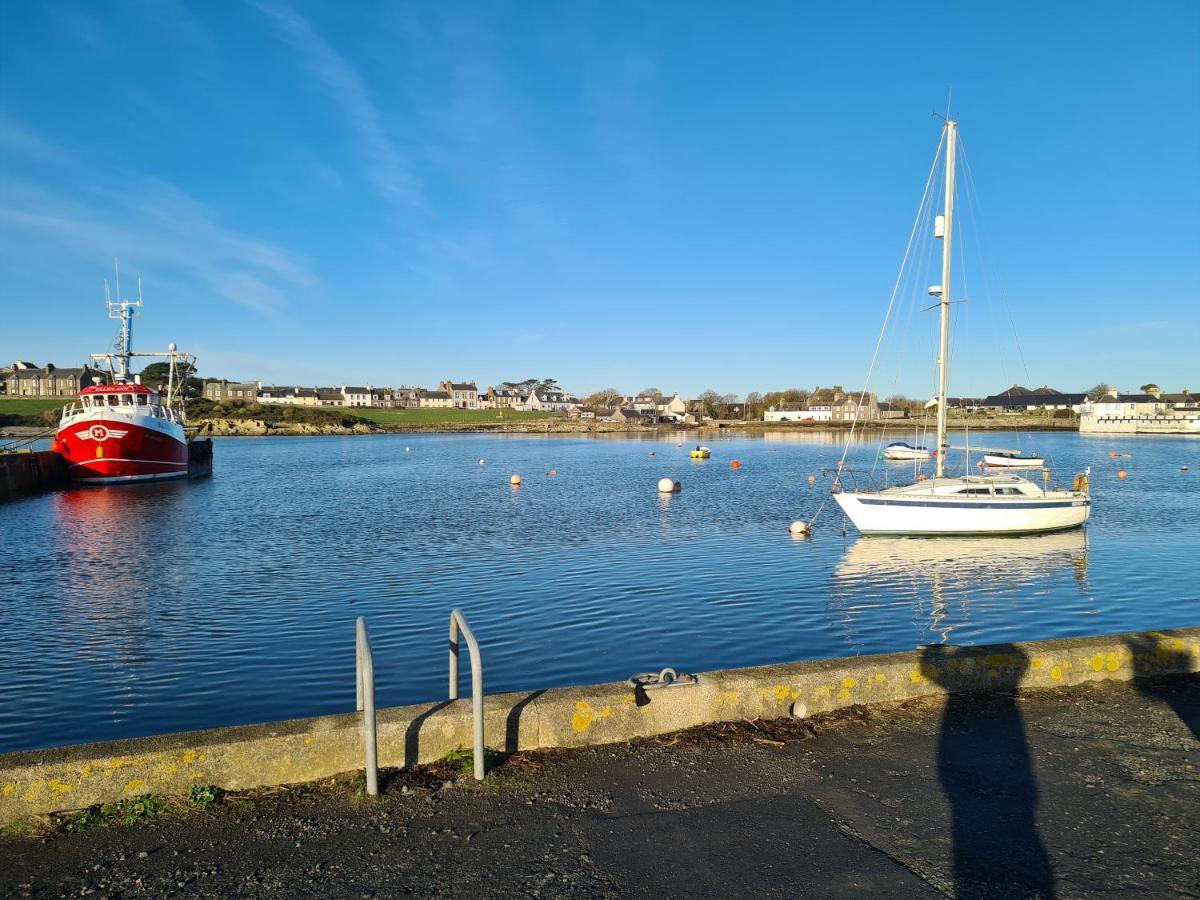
x,y
1160,667
987,775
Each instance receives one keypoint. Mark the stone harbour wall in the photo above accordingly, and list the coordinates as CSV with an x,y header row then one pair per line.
x,y
65,778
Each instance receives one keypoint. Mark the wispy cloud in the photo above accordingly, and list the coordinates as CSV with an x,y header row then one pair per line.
x,y
387,166
82,27
154,224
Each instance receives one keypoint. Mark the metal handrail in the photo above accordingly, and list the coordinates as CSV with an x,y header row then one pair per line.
x,y
364,670
457,621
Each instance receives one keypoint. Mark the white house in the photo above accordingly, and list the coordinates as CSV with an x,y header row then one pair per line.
x,y
542,400
788,412
356,396
1115,403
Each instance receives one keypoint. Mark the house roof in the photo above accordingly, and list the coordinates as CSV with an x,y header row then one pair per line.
x,y
1129,398
356,390
435,395
461,387
44,373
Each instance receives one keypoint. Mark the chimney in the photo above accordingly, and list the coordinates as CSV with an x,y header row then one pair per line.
x,y
1112,392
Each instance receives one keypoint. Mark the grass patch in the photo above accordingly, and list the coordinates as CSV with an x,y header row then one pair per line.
x,y
422,417
202,796
128,811
21,827
461,762
31,410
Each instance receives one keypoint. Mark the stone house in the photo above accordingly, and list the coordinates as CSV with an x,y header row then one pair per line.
x,y
407,397
221,390
464,395
26,380
504,397
629,416
837,405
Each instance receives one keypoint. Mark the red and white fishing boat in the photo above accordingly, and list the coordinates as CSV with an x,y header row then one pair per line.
x,y
126,431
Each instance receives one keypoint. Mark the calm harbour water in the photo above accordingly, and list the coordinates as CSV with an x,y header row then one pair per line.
x,y
138,610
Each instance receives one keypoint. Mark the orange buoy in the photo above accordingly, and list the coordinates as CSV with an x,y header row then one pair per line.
x,y
515,481
735,465
921,477
1122,474
1112,454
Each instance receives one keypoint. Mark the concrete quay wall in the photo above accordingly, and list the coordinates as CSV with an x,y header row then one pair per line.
x,y
73,777
28,472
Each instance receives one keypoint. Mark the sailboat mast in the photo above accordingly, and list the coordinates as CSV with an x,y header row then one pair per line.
x,y
944,303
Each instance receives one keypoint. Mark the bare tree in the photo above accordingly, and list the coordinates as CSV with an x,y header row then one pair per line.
x,y
1096,391
603,399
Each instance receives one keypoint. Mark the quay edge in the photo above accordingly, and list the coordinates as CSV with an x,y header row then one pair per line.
x,y
65,778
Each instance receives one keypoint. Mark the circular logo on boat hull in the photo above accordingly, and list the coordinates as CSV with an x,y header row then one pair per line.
x,y
99,433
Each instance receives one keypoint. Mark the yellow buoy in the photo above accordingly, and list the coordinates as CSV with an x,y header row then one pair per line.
x,y
515,480
799,527
812,479
1122,474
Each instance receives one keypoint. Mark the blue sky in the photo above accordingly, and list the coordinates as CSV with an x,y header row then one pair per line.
x,y
683,195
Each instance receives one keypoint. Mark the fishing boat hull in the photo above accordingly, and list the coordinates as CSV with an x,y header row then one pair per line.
x,y
102,450
992,460
880,513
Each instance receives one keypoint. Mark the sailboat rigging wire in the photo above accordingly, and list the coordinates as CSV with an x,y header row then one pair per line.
x,y
891,301
973,203
924,241
973,200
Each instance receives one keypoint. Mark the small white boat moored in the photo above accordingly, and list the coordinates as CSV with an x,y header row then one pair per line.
x,y
901,450
1013,461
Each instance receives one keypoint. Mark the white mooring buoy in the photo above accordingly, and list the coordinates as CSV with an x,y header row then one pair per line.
x,y
669,486
799,527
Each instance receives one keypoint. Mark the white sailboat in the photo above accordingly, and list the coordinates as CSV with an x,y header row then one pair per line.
x,y
947,505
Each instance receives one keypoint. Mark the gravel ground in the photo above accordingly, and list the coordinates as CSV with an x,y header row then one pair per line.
x,y
1091,791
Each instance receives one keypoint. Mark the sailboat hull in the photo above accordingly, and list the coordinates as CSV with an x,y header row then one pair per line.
x,y
933,515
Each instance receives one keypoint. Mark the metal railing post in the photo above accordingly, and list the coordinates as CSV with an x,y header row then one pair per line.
x,y
365,677
458,621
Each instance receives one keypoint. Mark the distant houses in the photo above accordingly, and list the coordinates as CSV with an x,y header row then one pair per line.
x,y
25,379
833,404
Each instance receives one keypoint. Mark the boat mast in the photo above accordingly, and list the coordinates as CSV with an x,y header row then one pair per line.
x,y
944,301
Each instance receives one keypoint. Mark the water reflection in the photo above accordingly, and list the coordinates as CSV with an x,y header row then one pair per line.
x,y
945,576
